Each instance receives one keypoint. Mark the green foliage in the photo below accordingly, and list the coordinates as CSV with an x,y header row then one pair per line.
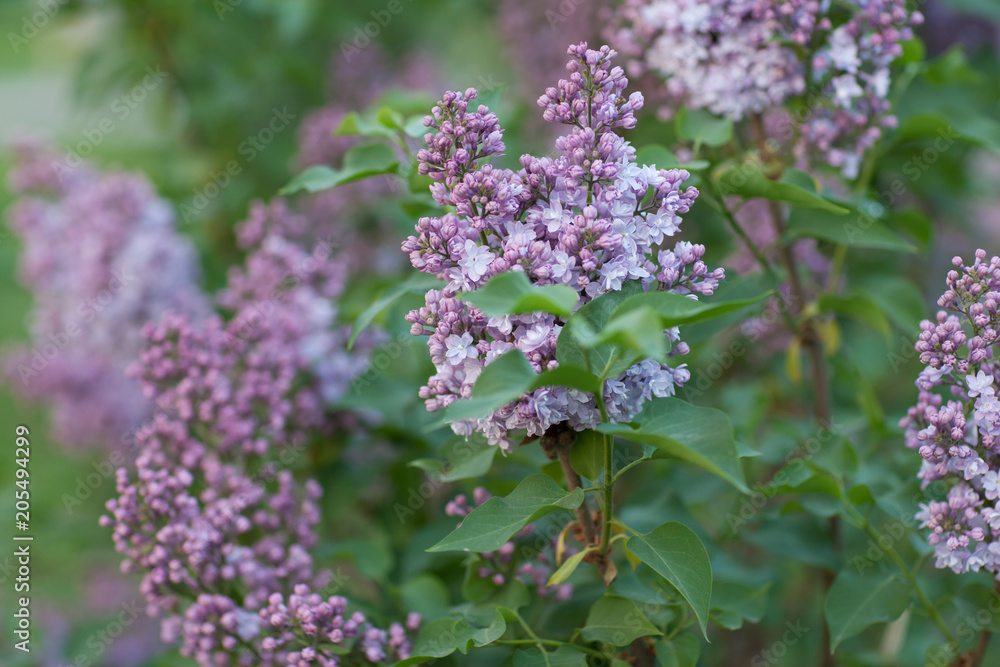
x,y
702,436
677,555
681,651
618,621
748,181
360,162
856,602
511,293
490,525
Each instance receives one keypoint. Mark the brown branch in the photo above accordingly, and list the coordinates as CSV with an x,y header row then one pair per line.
x,y
557,444
583,511
642,651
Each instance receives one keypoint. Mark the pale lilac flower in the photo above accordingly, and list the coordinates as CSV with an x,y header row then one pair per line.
x,y
476,260
460,348
981,383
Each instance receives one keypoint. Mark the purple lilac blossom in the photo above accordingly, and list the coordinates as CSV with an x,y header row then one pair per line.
x,y
741,57
956,422
102,258
213,516
577,219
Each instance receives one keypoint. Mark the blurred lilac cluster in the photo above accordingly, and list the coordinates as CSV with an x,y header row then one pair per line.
x,y
741,57
102,258
721,55
213,517
531,564
581,219
958,438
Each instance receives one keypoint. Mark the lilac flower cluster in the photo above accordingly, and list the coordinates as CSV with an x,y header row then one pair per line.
x,y
720,55
581,219
742,57
852,70
102,257
531,565
958,437
214,517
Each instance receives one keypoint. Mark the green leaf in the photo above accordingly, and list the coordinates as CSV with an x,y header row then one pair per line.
x,y
425,594
677,555
681,651
511,293
861,230
749,182
638,330
858,305
359,162
414,126
655,155
702,436
677,309
503,381
914,51
463,459
564,656
734,288
507,378
442,637
468,635
436,640
490,525
618,621
802,477
703,128
659,157
856,602
418,283
914,223
963,125
899,299
358,125
591,318
389,118
372,557
363,125
587,454
733,603
569,566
